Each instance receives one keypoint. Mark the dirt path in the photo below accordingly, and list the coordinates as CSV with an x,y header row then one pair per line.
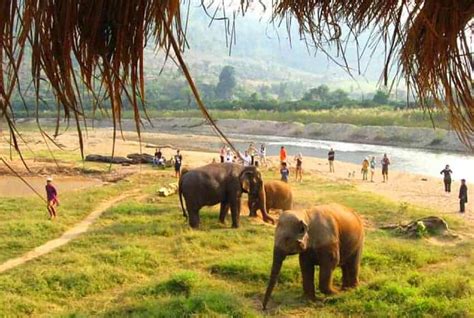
x,y
67,236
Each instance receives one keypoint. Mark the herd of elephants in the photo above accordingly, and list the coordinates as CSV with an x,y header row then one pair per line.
x,y
325,235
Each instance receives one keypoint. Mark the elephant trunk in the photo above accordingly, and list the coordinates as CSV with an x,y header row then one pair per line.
x,y
278,258
262,198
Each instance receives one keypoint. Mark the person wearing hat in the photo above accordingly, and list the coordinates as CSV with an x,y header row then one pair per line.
x,y
52,197
365,168
463,196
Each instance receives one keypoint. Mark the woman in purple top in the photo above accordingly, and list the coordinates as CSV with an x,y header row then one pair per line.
x,y
52,197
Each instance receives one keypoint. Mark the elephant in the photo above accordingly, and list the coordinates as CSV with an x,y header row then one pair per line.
x,y
275,195
216,183
326,235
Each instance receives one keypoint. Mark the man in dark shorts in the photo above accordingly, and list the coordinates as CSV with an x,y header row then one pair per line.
x,y
385,163
178,159
447,178
463,196
331,156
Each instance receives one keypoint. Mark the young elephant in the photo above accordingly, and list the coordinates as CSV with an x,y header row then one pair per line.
x,y
216,183
274,195
326,235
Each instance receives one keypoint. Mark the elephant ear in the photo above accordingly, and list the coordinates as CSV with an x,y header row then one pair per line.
x,y
245,181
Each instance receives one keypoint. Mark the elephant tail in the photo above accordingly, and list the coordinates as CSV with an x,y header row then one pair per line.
x,y
180,191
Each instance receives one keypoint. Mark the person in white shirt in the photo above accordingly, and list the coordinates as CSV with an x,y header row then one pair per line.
x,y
229,157
247,159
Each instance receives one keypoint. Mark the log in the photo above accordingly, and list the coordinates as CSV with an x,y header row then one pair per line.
x,y
431,225
108,159
140,158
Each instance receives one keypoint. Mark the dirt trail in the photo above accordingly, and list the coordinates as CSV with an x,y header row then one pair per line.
x,y
67,236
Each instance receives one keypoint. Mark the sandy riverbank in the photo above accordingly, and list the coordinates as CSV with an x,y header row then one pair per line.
x,y
198,150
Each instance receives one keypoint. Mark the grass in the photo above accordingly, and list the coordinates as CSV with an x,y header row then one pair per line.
x,y
381,116
140,259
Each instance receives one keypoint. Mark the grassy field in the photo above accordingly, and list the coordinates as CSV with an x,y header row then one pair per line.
x,y
141,259
357,116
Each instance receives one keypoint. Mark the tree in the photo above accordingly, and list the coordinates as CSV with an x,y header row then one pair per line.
x,y
380,97
320,93
227,83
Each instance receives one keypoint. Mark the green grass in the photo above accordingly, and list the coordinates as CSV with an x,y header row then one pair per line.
x,y
141,259
357,116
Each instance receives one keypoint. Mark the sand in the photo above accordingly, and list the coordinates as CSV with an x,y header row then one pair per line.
x,y
198,150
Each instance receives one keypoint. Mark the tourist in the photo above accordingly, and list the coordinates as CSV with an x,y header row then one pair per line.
x,y
385,162
222,153
246,159
252,151
282,155
299,167
285,172
157,157
229,156
178,159
372,168
331,156
52,198
365,168
447,178
263,158
463,196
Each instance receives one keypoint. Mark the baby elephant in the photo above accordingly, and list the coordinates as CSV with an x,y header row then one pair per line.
x,y
275,195
326,235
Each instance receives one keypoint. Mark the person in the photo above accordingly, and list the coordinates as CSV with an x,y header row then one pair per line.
x,y
157,157
285,172
263,158
462,196
282,155
447,178
246,158
178,159
252,151
222,153
299,167
385,162
229,157
52,198
372,168
365,168
331,156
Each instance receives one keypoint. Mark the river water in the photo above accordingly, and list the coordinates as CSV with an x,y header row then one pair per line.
x,y
420,161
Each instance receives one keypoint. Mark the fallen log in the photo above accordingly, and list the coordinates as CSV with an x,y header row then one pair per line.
x,y
108,159
140,158
431,225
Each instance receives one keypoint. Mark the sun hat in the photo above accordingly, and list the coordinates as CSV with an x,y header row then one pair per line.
x,y
49,179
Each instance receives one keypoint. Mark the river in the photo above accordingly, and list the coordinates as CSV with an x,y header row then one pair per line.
x,y
411,160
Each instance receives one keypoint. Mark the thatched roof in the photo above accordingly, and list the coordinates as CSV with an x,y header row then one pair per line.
x,y
101,42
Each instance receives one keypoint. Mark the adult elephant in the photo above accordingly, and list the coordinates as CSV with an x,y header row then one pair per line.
x,y
216,183
326,235
275,195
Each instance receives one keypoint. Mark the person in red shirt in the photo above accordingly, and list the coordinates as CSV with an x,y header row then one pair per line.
x,y
52,197
282,154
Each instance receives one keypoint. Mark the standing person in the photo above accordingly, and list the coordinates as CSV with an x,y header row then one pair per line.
x,y
299,167
246,158
222,153
282,155
447,178
285,172
365,168
263,158
463,196
52,197
385,162
178,159
252,151
331,156
372,168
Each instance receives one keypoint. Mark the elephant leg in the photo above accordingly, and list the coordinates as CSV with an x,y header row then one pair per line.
x,y
223,212
235,212
194,218
328,260
350,271
307,271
